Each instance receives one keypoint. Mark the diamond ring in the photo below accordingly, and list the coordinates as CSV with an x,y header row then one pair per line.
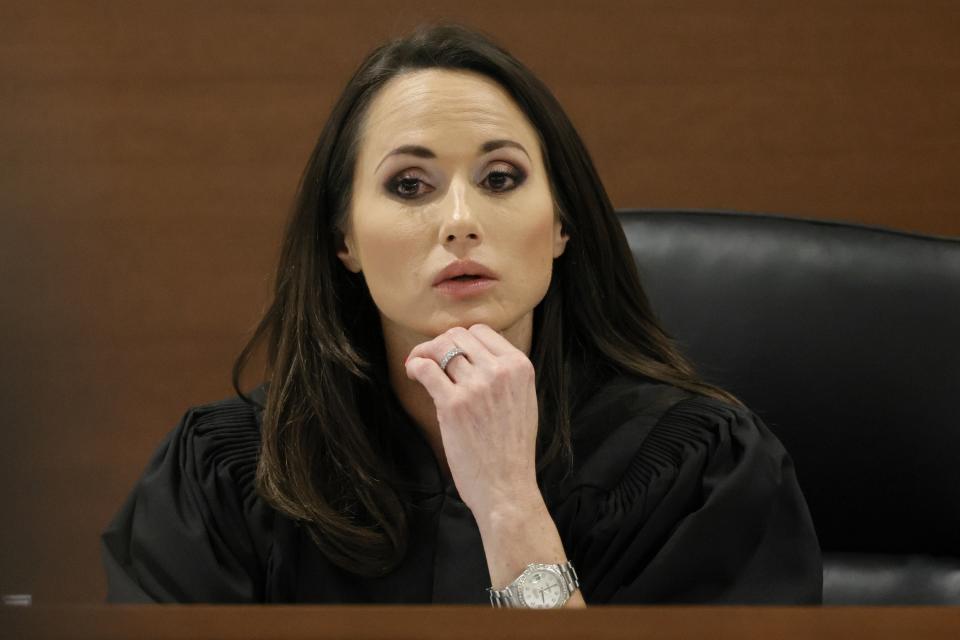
x,y
450,355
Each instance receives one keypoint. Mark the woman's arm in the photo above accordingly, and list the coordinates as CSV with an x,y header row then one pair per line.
x,y
487,412
518,533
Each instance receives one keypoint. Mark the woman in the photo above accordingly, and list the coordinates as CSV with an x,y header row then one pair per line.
x,y
469,397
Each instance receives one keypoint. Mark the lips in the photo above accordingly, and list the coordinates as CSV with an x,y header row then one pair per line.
x,y
464,268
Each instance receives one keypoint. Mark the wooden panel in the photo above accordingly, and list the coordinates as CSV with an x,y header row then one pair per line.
x,y
150,152
425,623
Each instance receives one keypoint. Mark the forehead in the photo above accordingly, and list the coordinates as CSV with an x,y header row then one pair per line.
x,y
442,108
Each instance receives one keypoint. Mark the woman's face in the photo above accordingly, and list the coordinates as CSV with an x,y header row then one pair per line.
x,y
449,169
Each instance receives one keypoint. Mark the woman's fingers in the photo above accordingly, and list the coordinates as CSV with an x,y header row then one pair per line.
x,y
427,372
492,340
475,351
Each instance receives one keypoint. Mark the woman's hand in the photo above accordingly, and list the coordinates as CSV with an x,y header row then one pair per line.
x,y
487,410
486,403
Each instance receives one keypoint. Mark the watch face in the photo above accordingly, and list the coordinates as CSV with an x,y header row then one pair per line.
x,y
543,589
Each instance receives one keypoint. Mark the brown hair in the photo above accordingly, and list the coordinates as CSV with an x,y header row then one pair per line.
x,y
323,459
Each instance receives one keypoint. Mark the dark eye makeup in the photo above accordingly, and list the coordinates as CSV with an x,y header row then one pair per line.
x,y
408,185
500,181
405,186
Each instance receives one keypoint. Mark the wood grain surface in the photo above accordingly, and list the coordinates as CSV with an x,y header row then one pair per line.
x,y
479,623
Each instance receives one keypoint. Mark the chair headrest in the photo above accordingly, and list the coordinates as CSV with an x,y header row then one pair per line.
x,y
844,339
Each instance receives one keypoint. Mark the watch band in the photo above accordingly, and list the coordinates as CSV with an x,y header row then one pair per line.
x,y
509,596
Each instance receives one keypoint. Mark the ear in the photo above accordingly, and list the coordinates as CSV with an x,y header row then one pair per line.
x,y
347,253
560,239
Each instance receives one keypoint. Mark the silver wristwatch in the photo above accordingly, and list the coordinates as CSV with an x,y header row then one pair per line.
x,y
540,586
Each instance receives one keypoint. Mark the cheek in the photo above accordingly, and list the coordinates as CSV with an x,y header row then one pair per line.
x,y
380,242
533,229
389,256
531,247
392,257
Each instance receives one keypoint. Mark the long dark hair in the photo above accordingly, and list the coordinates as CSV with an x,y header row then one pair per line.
x,y
323,460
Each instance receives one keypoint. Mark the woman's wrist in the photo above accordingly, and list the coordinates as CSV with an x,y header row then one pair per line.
x,y
517,533
507,511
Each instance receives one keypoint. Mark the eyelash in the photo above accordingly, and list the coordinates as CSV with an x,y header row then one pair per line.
x,y
516,176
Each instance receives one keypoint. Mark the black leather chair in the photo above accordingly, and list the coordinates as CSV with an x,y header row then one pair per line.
x,y
845,339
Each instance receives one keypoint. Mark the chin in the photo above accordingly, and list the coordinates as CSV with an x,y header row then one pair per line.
x,y
466,321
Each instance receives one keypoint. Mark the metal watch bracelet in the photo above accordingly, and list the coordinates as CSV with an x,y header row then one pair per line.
x,y
508,597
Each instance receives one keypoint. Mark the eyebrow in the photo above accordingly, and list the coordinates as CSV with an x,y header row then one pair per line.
x,y
423,152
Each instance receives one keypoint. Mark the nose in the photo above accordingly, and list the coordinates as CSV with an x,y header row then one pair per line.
x,y
459,225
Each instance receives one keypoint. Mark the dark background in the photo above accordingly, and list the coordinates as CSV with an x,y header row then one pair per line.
x,y
149,153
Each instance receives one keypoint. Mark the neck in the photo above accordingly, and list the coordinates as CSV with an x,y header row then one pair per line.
x,y
399,341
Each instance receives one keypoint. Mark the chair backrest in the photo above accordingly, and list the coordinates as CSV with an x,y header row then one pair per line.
x,y
845,339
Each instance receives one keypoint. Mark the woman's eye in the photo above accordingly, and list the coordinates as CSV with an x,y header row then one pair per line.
x,y
503,180
408,187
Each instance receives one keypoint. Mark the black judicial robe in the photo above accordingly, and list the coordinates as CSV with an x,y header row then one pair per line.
x,y
674,498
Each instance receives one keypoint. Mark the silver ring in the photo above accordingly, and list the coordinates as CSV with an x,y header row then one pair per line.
x,y
450,355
